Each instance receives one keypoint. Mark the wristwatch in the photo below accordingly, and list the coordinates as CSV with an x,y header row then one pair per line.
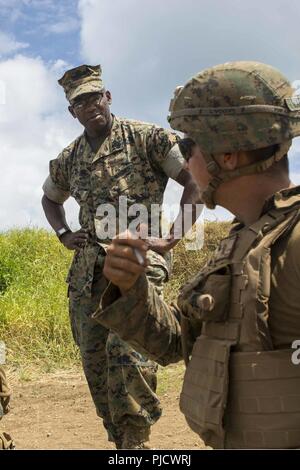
x,y
61,231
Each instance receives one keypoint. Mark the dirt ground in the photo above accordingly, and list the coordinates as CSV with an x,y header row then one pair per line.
x,y
56,411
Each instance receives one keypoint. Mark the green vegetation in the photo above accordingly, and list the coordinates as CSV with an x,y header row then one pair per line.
x,y
34,319
33,304
187,263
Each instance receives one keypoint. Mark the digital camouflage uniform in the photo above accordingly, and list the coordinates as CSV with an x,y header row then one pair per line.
x,y
6,441
235,322
135,161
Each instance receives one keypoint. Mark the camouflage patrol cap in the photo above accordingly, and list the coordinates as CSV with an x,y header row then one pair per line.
x,y
237,106
81,80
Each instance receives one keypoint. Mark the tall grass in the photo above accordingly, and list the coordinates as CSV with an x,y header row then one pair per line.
x,y
34,319
186,263
33,304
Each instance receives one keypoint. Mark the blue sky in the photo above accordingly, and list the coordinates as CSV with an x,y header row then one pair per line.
x,y
146,48
48,29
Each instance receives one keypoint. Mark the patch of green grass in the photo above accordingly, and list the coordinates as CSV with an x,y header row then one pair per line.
x,y
33,305
170,376
34,321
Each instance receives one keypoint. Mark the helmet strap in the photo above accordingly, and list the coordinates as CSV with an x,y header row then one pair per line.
x,y
220,176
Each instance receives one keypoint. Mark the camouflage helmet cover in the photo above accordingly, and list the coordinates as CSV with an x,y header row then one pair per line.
x,y
236,106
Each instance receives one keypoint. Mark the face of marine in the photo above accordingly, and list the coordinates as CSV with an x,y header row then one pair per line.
x,y
93,111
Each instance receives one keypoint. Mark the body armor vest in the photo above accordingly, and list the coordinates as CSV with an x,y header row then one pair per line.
x,y
238,391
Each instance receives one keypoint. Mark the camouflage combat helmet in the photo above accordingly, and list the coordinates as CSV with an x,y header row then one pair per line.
x,y
237,106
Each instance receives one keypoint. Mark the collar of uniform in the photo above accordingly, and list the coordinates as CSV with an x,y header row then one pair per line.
x,y
282,199
113,142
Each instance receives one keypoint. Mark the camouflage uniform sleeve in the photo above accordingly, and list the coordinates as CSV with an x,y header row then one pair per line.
x,y
54,193
163,151
60,169
145,321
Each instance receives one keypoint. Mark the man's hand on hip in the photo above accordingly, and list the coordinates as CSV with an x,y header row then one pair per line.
x,y
74,240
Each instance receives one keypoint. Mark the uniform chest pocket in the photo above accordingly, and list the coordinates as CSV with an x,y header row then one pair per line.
x,y
115,173
211,299
123,178
129,181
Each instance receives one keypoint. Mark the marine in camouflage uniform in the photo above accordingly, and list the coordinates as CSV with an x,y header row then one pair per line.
x,y
114,157
236,322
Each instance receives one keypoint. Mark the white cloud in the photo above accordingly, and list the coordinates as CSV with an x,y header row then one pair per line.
x,y
8,44
35,126
146,48
60,66
149,47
